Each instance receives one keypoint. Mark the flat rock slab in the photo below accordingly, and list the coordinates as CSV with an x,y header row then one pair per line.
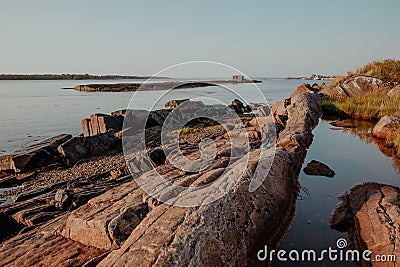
x,y
43,247
107,220
370,215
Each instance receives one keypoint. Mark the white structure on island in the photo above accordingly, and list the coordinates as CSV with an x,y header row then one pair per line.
x,y
238,78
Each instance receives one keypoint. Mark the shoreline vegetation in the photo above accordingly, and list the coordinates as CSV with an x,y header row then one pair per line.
x,y
381,98
73,77
387,70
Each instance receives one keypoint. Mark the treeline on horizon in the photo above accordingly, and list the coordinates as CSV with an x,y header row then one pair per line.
x,y
68,77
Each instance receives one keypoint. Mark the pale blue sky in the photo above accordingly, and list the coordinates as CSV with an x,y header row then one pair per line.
x,y
261,38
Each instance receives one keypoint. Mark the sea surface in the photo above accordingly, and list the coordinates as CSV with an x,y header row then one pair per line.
x,y
356,159
35,110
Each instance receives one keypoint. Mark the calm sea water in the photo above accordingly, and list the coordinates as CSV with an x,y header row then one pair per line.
x,y
355,160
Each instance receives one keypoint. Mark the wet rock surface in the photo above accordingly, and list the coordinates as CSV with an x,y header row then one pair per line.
x,y
370,215
343,124
319,169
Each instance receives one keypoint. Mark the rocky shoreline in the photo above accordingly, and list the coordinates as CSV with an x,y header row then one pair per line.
x,y
82,206
370,215
369,212
75,200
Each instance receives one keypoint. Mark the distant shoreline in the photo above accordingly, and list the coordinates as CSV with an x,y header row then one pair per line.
x,y
27,77
313,77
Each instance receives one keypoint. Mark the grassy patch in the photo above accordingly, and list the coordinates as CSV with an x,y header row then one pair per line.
x,y
329,107
370,106
185,130
387,70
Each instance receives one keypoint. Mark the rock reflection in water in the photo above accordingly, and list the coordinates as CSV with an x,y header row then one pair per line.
x,y
364,132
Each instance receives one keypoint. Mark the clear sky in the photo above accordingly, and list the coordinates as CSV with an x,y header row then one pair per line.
x,y
261,38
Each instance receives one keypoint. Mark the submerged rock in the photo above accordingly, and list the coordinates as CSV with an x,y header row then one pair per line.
x,y
343,124
319,169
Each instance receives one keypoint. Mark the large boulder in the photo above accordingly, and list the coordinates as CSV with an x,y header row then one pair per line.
x,y
305,88
80,147
34,156
101,123
354,86
370,215
303,114
239,107
386,126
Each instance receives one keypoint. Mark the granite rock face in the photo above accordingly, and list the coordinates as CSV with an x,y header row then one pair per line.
x,y
80,147
34,156
101,123
44,247
305,88
355,86
370,215
203,236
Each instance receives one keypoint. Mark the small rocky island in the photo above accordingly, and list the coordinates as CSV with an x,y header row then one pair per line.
x,y
129,87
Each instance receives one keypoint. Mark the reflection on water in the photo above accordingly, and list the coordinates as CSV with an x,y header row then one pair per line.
x,y
352,153
364,132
